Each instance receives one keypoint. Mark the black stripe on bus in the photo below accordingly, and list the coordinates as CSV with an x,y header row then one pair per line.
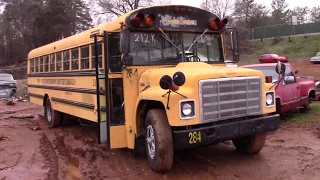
x,y
67,73
80,90
84,105
35,95
80,104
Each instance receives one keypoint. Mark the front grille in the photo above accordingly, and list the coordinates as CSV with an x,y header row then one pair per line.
x,y
5,86
227,98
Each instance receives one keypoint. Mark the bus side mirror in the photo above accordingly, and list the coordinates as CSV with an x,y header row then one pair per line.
x,y
124,41
235,45
280,68
126,59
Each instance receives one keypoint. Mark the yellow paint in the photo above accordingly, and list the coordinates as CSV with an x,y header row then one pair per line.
x,y
116,136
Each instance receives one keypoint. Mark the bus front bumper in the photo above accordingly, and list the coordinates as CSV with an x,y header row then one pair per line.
x,y
224,132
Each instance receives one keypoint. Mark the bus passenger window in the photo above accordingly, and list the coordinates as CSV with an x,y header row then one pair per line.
x,y
31,65
114,51
99,56
37,65
66,60
85,57
59,61
75,59
41,64
46,63
52,65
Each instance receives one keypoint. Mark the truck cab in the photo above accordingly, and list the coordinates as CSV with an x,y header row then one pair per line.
x,y
291,91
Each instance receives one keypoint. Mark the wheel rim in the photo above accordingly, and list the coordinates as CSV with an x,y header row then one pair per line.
x,y
151,142
49,117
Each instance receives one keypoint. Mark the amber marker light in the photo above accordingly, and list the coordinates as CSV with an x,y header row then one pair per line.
x,y
148,21
213,24
268,79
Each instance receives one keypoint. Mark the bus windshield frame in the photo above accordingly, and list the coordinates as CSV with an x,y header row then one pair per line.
x,y
149,48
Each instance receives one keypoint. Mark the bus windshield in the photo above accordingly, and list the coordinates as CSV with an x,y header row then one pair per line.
x,y
159,48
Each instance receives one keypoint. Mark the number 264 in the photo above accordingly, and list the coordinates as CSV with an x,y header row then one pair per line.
x,y
194,137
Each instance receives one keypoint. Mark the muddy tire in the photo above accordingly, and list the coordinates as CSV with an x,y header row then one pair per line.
x,y
306,107
53,117
158,140
250,144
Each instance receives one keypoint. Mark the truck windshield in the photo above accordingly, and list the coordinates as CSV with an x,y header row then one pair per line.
x,y
159,48
6,77
267,71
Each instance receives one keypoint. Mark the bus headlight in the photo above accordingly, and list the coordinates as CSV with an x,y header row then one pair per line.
x,y
269,99
187,109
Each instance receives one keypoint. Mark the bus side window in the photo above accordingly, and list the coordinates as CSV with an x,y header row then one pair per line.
x,y
52,63
31,65
75,59
46,63
93,64
114,51
37,64
59,61
85,57
66,60
41,64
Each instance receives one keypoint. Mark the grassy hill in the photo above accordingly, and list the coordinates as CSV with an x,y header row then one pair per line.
x,y
298,49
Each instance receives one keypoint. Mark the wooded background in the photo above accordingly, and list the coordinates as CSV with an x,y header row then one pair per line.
x,y
27,24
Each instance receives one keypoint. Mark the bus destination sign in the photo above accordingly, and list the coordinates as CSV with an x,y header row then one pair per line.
x,y
167,20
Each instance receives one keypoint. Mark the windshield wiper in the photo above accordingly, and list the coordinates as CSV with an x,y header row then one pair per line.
x,y
197,39
168,39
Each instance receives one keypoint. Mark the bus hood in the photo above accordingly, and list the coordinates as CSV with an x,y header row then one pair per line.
x,y
194,72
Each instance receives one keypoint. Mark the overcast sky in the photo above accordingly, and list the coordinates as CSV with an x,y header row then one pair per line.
x,y
292,3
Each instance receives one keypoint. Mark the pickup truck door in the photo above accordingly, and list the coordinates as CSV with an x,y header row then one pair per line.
x,y
291,89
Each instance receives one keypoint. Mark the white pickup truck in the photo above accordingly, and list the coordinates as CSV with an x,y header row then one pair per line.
x,y
315,59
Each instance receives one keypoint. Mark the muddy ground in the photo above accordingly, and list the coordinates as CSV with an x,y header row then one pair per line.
x,y
31,150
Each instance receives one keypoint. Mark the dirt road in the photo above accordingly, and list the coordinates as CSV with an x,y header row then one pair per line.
x,y
30,150
292,152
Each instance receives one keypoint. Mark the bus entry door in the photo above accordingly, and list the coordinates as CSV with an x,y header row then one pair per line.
x,y
112,129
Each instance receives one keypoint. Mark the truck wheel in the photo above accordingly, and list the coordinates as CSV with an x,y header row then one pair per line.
x,y
306,107
53,117
158,139
251,144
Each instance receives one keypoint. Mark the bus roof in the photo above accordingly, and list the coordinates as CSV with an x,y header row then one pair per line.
x,y
84,38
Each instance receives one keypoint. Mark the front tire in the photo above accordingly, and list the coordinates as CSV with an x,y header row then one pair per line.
x,y
306,107
251,144
53,117
158,139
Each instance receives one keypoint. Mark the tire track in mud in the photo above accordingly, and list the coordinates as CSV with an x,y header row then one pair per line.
x,y
62,154
51,158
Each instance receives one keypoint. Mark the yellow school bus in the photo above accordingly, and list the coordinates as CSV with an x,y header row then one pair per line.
x,y
155,80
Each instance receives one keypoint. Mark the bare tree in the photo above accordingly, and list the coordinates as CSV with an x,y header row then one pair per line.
x,y
315,14
105,10
219,7
280,11
242,11
300,12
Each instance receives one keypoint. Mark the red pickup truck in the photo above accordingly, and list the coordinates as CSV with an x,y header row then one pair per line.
x,y
292,91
